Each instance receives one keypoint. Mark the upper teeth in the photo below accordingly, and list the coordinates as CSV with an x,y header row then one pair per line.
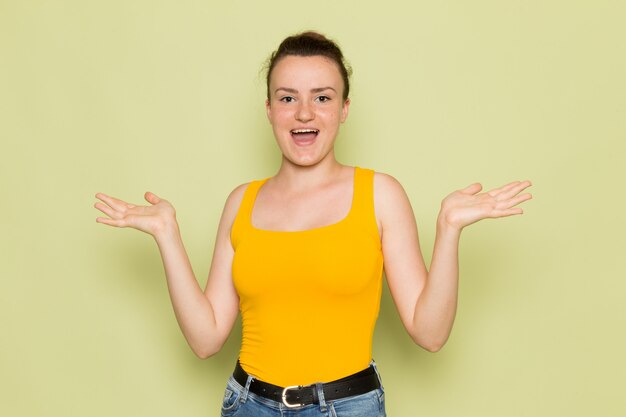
x,y
305,131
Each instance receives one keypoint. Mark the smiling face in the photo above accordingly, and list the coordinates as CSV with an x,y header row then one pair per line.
x,y
306,108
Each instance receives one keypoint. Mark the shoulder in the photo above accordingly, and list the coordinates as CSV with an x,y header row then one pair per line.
x,y
233,201
386,181
387,187
236,195
383,183
390,199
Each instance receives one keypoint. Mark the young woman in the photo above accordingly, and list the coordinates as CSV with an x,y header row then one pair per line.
x,y
301,255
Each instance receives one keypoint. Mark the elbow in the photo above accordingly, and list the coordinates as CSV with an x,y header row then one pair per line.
x,y
204,354
206,344
432,347
206,351
432,344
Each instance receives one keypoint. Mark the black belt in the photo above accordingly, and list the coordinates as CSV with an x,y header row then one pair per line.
x,y
297,395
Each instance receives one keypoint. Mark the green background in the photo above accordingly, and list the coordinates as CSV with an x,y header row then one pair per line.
x,y
127,96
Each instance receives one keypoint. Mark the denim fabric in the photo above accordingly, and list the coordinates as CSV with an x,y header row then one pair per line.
x,y
239,402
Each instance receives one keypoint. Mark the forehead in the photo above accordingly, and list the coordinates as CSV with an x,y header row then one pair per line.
x,y
313,71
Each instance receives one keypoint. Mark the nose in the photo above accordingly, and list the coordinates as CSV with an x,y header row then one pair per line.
x,y
305,112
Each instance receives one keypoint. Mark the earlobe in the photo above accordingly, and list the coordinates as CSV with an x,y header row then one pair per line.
x,y
345,110
268,109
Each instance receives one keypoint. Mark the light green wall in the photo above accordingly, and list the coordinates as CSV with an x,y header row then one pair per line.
x,y
127,96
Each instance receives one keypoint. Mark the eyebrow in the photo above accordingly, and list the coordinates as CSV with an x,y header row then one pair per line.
x,y
294,91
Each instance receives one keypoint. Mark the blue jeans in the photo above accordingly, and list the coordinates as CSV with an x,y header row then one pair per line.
x,y
240,402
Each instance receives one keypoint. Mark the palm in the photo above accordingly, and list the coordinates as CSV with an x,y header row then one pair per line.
x,y
467,206
150,219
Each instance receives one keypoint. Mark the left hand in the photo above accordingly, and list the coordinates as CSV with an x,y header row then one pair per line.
x,y
467,206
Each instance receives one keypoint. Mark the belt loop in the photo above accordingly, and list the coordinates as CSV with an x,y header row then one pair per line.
x,y
246,389
373,365
319,387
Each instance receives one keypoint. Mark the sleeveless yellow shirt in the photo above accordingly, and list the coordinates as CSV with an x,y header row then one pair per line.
x,y
309,299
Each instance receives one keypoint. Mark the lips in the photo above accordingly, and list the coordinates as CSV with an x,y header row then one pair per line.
x,y
304,136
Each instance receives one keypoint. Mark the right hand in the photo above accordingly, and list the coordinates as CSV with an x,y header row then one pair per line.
x,y
153,219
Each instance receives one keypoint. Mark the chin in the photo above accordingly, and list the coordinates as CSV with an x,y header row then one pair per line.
x,y
304,161
306,158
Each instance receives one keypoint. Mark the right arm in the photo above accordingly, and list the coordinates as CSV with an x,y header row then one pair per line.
x,y
205,317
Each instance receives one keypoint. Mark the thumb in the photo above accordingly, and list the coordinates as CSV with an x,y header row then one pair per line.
x,y
151,198
472,188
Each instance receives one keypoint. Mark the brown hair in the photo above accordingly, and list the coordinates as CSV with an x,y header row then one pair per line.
x,y
310,44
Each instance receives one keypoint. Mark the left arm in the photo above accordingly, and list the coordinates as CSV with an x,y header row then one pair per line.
x,y
427,301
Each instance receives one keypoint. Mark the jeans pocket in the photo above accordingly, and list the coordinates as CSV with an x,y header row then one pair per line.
x,y
230,402
363,405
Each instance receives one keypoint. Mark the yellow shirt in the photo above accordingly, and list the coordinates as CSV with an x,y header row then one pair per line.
x,y
309,299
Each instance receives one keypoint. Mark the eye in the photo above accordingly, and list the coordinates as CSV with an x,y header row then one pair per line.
x,y
287,99
323,99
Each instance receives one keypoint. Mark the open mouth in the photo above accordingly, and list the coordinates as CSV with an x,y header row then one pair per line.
x,y
304,136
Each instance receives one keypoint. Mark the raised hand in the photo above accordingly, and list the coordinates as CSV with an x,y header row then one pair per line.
x,y
467,206
152,219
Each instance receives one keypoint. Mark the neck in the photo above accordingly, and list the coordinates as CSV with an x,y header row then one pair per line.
x,y
301,177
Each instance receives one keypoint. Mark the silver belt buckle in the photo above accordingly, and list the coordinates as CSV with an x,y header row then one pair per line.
x,y
284,396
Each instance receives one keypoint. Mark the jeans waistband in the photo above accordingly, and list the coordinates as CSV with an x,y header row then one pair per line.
x,y
294,396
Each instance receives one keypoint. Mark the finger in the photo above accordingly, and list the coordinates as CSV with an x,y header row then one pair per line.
x,y
502,189
506,212
512,189
111,222
521,185
106,209
512,202
472,188
152,198
115,203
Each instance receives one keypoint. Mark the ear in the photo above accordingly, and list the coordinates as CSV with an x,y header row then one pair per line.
x,y
345,110
268,109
